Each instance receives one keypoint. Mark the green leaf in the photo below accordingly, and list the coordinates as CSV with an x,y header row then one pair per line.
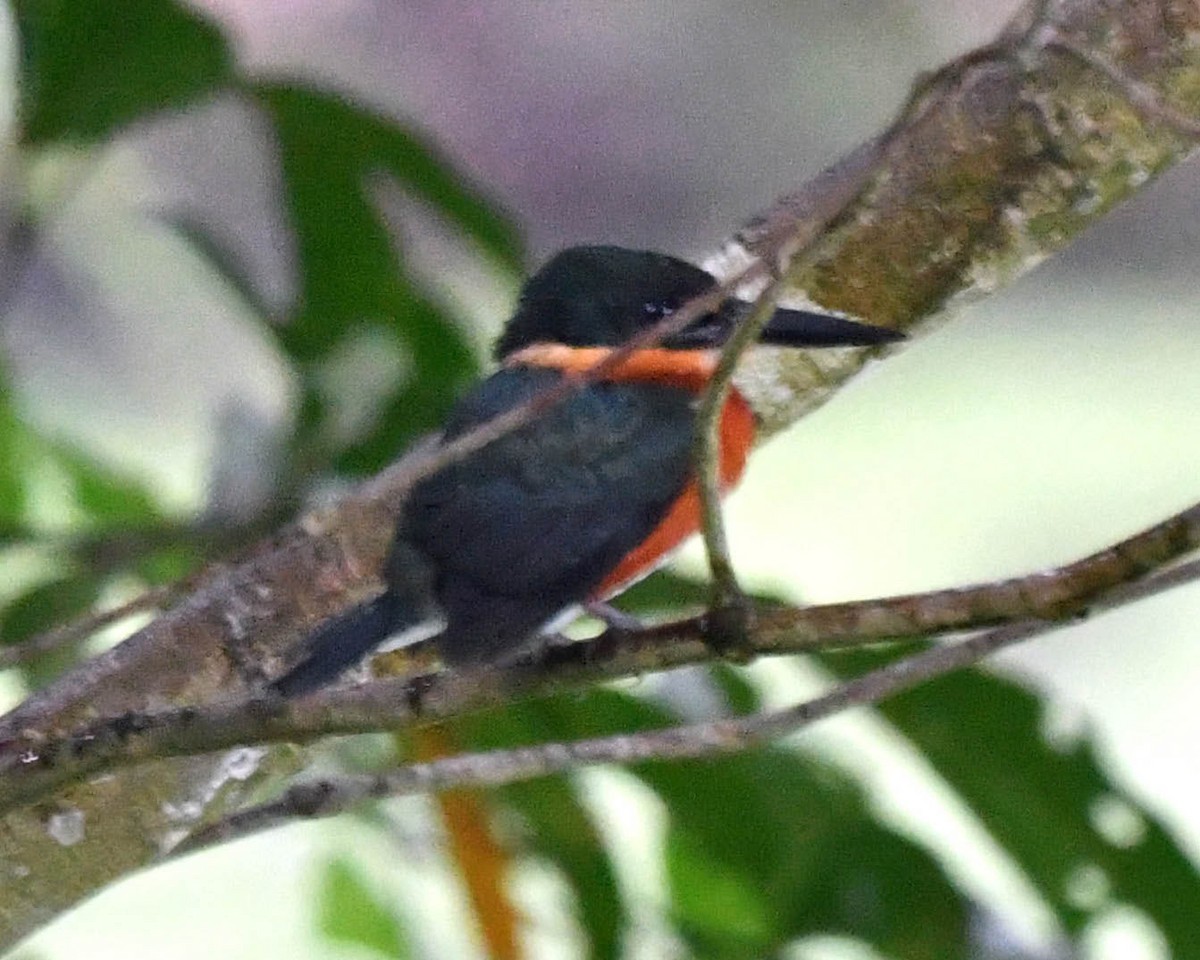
x,y
348,269
90,68
796,843
109,500
105,497
741,696
681,595
442,364
350,912
664,590
46,605
356,142
1040,802
352,277
169,563
715,902
351,273
564,834
14,441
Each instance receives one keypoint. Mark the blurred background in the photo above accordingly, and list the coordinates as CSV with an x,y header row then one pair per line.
x,y
152,266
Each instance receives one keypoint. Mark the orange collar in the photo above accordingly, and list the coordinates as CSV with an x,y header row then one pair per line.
x,y
689,369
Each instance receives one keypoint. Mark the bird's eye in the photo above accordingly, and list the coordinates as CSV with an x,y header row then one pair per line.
x,y
658,308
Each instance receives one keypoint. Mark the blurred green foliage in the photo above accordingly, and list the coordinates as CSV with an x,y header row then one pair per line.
x,y
1044,804
352,272
88,69
763,849
350,912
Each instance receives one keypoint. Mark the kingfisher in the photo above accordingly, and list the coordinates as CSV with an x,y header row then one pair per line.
x,y
495,550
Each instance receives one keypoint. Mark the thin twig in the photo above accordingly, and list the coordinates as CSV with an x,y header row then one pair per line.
x,y
788,262
706,451
31,768
24,651
334,795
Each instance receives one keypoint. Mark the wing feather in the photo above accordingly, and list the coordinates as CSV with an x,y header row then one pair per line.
x,y
530,524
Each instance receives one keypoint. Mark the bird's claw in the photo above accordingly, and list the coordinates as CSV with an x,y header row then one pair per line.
x,y
727,628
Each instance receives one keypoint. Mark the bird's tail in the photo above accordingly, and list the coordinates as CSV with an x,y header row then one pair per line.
x,y
341,642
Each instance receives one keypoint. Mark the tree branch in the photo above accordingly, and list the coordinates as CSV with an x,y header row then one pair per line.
x,y
331,796
727,598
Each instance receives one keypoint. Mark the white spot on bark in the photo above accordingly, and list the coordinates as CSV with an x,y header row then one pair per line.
x,y
241,764
185,811
66,826
237,616
237,766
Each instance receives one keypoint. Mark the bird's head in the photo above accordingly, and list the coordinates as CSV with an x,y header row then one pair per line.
x,y
601,296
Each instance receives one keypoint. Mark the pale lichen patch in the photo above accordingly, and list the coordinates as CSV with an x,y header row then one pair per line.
x,y
235,768
66,826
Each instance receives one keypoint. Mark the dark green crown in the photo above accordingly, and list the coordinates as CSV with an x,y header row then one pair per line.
x,y
599,296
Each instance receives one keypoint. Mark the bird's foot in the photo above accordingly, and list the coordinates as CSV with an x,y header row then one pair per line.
x,y
616,620
727,628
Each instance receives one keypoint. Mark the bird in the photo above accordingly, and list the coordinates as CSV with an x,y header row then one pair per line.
x,y
493,551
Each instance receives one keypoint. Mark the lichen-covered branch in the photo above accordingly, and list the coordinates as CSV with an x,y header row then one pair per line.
x,y
1003,157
